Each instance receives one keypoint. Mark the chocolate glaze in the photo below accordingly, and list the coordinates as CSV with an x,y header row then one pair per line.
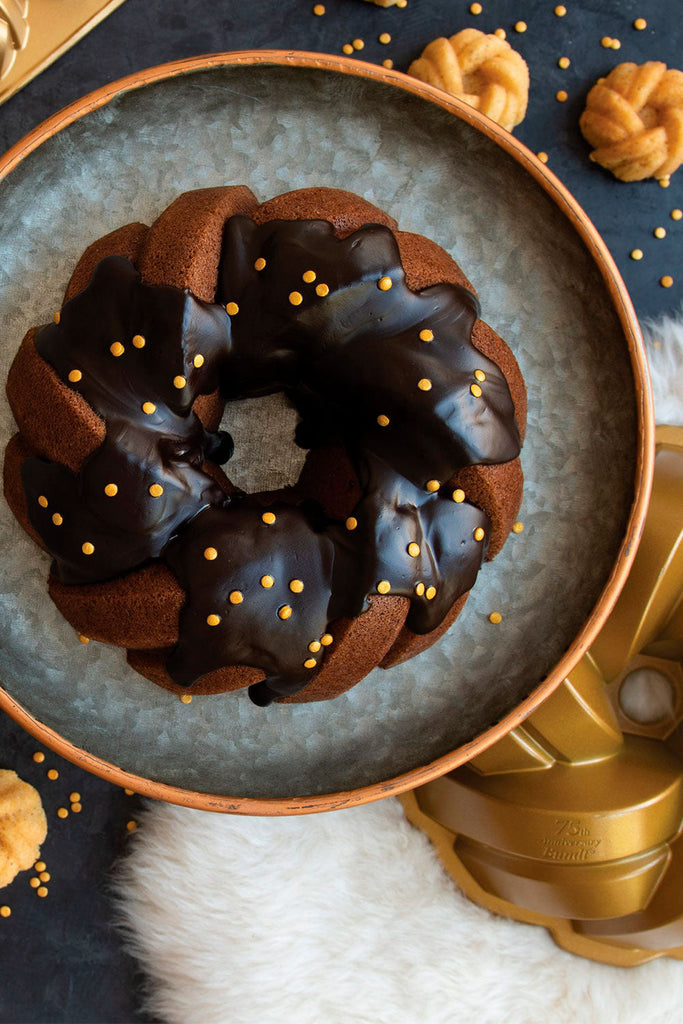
x,y
343,358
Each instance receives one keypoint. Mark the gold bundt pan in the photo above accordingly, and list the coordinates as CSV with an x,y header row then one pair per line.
x,y
573,820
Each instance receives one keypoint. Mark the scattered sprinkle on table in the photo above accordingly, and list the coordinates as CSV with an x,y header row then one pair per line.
x,y
34,882
41,891
500,32
663,182
347,48
53,774
75,798
666,281
384,38
518,527
131,826
319,9
563,62
543,157
520,26
640,24
636,254
476,8
39,866
659,232
77,808
5,911
676,214
62,812
358,44
129,792
495,618
560,10
561,96
39,756
388,63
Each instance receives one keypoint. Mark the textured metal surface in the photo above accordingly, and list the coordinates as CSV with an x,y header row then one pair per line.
x,y
573,820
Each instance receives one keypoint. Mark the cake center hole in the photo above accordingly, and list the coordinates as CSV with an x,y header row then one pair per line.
x,y
266,457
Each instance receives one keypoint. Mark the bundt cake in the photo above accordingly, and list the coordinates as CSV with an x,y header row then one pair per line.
x,y
411,409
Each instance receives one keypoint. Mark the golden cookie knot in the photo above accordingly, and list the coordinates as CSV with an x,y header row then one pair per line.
x,y
634,121
23,826
481,69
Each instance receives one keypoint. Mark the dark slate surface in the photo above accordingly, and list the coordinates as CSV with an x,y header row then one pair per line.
x,y
60,957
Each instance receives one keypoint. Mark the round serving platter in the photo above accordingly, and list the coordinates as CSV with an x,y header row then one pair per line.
x,y
279,120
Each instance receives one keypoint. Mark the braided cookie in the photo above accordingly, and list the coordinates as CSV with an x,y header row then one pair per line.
x,y
481,69
411,408
634,121
23,826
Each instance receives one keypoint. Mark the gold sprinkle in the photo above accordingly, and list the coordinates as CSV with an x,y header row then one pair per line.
x,y
314,646
563,62
385,284
615,45
296,298
116,349
347,48
322,290
476,8
383,420
419,589
500,32
458,495
5,911
326,639
156,490
129,792
131,826
659,232
357,44
268,518
57,519
44,876
636,254
425,384
87,548
284,611
561,96
267,582
76,808
75,376
39,865
606,42
666,281
476,390
479,533
495,618
309,276
62,812
75,798
676,214
310,663
186,698
34,882
83,639
232,309
384,38
430,593
42,890
520,26
213,620
198,361
57,317
518,527
149,408
39,757
413,549
388,63
139,341
319,9
663,182
426,335
260,264
560,10
210,554
111,490
296,586
480,375
42,501
401,3
235,597
640,24
432,486
179,382
542,156
351,523
383,587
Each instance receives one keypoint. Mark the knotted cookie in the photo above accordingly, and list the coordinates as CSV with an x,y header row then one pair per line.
x,y
634,121
481,69
23,826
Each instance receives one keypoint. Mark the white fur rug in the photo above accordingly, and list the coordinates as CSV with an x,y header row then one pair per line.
x,y
348,918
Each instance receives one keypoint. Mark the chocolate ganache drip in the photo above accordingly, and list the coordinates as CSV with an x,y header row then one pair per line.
x,y
389,373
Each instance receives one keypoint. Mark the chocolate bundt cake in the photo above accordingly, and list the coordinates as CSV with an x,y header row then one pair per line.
x,y
411,408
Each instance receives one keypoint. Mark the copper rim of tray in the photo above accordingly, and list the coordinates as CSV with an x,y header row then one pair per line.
x,y
644,461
